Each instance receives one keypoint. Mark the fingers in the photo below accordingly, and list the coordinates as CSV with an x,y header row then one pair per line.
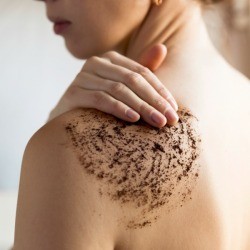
x,y
139,85
151,78
102,101
153,56
122,93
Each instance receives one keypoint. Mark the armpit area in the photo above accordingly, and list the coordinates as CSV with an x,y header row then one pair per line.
x,y
136,164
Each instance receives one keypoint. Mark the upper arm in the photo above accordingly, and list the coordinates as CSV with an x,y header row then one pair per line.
x,y
87,174
55,198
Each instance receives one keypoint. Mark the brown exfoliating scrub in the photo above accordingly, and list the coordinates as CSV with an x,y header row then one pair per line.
x,y
139,165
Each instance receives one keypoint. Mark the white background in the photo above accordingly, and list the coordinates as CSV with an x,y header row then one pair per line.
x,y
35,71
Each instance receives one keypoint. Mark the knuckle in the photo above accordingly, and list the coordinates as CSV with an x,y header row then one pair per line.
x,y
98,98
90,62
143,108
159,102
161,90
116,87
110,54
92,59
132,78
143,71
113,53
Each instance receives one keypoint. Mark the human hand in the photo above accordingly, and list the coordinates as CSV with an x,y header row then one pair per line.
x,y
122,87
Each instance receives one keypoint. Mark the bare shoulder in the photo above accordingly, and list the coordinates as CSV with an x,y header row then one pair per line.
x,y
86,173
138,168
58,205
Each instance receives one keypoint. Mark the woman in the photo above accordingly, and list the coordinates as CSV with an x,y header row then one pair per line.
x,y
92,181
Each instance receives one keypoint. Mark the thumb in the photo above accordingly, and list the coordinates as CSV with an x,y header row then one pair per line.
x,y
153,57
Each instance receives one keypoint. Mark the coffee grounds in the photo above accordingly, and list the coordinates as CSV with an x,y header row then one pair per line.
x,y
146,167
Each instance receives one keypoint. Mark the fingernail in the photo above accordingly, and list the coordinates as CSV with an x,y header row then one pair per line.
x,y
131,114
157,118
170,99
173,104
171,115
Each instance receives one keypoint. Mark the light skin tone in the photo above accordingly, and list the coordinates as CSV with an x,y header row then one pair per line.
x,y
59,206
126,90
146,95
113,83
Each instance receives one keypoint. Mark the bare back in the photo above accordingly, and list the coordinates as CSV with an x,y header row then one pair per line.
x,y
131,186
178,186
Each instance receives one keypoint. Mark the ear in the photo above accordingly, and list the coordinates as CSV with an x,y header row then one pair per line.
x,y
153,57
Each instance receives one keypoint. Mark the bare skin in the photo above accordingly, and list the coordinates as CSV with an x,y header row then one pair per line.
x,y
60,205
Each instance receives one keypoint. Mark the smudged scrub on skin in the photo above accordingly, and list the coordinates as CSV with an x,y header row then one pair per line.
x,y
137,164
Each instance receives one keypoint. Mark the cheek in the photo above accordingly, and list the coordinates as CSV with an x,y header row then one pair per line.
x,y
87,41
100,28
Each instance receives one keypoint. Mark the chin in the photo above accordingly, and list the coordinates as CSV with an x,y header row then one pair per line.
x,y
83,52
75,51
79,54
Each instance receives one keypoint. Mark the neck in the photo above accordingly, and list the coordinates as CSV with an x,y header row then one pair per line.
x,y
179,25
191,58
